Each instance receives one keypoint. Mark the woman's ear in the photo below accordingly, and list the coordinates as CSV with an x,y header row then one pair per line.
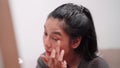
x,y
76,42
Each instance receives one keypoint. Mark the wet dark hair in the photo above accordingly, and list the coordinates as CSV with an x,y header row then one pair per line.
x,y
78,23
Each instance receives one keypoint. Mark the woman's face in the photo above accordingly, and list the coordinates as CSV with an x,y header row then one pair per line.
x,y
54,36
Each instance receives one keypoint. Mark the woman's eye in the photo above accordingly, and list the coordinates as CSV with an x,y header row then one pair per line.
x,y
55,39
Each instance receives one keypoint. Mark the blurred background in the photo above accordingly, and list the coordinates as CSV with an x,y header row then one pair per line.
x,y
28,18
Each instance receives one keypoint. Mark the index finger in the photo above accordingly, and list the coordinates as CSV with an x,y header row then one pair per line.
x,y
61,55
58,48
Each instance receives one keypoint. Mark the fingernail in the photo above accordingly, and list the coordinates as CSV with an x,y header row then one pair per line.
x,y
62,52
65,62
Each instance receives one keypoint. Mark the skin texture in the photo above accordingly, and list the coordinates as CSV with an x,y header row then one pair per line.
x,y
59,51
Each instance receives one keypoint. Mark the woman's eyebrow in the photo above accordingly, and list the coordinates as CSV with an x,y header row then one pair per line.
x,y
57,33
44,26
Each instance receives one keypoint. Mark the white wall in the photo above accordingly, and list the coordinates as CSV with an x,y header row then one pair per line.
x,y
29,17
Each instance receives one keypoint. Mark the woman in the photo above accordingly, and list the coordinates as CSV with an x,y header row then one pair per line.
x,y
70,39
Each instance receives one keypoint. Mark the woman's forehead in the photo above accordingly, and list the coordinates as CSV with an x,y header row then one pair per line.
x,y
53,23
54,26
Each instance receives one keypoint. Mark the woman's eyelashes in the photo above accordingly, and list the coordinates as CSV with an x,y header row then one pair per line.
x,y
51,37
55,39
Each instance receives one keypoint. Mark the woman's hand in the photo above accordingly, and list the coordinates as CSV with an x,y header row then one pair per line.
x,y
55,60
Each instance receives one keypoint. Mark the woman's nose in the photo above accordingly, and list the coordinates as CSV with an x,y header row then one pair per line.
x,y
47,42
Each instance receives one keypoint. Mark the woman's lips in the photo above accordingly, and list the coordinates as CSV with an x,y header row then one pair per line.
x,y
48,53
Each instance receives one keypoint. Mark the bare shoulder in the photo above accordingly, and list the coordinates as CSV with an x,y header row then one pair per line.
x,y
98,62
